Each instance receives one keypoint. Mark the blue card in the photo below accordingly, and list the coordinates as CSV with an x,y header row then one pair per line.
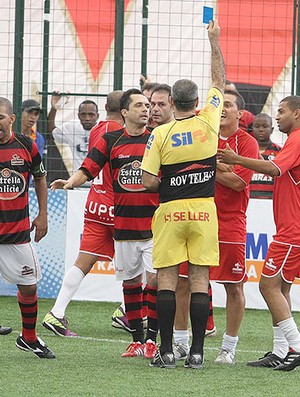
x,y
208,14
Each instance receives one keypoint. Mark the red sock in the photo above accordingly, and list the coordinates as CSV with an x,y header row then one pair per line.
x,y
152,328
28,307
133,299
210,322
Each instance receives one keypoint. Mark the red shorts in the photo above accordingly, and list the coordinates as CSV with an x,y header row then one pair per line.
x,y
184,269
282,258
97,239
232,267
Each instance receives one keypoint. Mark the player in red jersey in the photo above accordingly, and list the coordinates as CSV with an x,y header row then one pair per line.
x,y
261,185
19,158
133,211
282,263
232,197
97,238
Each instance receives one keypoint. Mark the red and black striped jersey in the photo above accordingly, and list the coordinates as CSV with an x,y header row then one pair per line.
x,y
134,206
19,157
261,185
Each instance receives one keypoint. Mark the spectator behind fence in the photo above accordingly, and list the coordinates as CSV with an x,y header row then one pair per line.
x,y
261,185
30,114
75,134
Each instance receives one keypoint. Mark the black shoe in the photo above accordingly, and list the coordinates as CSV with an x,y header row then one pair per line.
x,y
195,361
38,348
269,360
5,330
167,360
291,361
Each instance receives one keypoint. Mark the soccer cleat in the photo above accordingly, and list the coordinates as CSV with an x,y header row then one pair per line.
x,y
180,351
134,349
38,348
290,362
225,357
119,320
195,361
58,325
5,330
167,360
150,349
269,360
211,332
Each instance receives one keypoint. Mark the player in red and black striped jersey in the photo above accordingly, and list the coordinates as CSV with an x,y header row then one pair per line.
x,y
97,237
133,210
19,158
261,185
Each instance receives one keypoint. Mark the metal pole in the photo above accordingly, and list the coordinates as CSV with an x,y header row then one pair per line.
x,y
45,65
294,47
18,64
144,39
298,54
119,45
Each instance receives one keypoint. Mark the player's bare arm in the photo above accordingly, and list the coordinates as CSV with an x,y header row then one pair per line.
x,y
228,156
77,179
40,223
150,182
217,62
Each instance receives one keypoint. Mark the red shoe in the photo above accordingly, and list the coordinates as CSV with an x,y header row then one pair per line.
x,y
211,332
150,349
134,349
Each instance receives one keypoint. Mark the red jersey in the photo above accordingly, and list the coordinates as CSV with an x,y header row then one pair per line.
x,y
133,205
286,195
19,157
261,185
232,205
99,206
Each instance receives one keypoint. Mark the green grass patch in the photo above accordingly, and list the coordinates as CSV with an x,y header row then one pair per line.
x,y
91,365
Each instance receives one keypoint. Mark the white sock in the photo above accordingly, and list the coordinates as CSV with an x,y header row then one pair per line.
x,y
181,336
229,342
291,333
70,285
280,344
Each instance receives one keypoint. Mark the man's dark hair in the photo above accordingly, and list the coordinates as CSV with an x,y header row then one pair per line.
x,y
185,94
7,104
149,87
162,87
293,102
126,100
88,102
240,103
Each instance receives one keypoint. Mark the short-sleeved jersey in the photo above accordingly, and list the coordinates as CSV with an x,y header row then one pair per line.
x,y
99,206
261,185
133,205
286,194
185,153
231,204
19,157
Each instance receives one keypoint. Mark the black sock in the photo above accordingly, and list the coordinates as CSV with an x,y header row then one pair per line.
x,y
199,309
166,307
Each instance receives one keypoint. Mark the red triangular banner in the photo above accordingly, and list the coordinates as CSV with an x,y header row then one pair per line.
x,y
94,21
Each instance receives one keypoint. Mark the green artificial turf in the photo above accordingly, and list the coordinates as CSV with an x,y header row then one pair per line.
x,y
91,365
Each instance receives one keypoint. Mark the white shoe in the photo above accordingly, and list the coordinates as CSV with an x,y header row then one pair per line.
x,y
211,332
180,351
225,357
